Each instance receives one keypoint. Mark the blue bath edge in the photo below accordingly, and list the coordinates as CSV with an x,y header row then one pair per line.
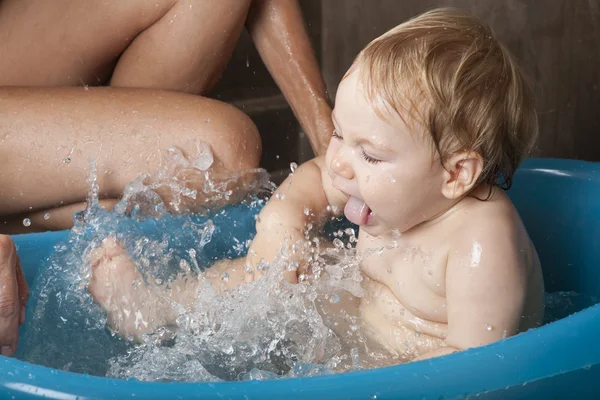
x,y
559,201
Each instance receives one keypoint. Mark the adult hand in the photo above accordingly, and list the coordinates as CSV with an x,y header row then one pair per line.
x,y
14,293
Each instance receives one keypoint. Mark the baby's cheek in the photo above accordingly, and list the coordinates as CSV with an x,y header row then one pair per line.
x,y
334,146
328,158
380,194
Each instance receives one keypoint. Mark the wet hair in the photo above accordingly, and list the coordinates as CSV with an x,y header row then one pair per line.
x,y
447,69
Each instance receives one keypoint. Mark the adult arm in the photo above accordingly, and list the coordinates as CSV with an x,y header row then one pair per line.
x,y
279,34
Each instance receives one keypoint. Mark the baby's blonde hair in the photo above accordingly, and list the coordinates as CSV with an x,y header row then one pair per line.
x,y
446,68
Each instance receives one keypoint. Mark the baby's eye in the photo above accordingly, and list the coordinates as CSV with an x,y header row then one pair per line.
x,y
336,135
370,159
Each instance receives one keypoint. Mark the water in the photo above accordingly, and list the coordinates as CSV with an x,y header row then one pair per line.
x,y
559,305
264,330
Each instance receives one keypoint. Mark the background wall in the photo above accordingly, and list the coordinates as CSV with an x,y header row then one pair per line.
x,y
556,41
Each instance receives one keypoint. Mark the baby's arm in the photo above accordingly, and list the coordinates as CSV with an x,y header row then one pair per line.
x,y
486,281
138,309
301,199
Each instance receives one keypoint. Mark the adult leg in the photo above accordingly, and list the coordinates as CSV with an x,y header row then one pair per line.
x,y
180,45
49,136
186,50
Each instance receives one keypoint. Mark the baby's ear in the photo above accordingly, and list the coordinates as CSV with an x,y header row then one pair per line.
x,y
462,171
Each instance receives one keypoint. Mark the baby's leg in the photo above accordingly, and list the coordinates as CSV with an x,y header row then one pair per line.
x,y
136,308
133,307
49,136
180,45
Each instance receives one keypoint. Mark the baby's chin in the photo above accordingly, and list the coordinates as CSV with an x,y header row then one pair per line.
x,y
375,227
379,227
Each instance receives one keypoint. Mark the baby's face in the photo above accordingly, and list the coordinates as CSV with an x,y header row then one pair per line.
x,y
388,172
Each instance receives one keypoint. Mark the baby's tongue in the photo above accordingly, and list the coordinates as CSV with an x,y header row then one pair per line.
x,y
356,211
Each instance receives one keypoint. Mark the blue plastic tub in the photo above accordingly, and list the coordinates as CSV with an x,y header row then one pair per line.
x,y
559,201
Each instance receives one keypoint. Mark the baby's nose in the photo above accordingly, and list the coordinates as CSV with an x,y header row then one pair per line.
x,y
341,165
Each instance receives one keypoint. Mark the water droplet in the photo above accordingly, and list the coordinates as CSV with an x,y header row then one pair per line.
x,y
306,211
224,276
392,180
334,299
47,216
26,222
293,167
67,160
248,269
280,196
489,327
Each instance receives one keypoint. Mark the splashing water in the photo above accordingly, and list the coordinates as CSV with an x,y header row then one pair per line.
x,y
180,221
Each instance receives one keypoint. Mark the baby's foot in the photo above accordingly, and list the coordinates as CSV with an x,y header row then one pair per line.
x,y
118,286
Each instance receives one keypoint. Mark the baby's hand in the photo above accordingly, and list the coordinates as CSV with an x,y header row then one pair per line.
x,y
300,200
290,254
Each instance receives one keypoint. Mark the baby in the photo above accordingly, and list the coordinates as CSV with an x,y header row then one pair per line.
x,y
431,122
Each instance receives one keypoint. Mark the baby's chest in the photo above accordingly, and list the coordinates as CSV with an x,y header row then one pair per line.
x,y
407,266
414,274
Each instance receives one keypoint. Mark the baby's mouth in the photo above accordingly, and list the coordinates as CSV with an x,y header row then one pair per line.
x,y
357,211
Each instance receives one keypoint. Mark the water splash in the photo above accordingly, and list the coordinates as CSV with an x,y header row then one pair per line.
x,y
178,222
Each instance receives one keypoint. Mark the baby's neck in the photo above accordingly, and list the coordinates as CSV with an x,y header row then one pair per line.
x,y
480,193
443,212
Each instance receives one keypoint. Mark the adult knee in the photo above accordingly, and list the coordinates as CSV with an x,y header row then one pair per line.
x,y
231,135
242,145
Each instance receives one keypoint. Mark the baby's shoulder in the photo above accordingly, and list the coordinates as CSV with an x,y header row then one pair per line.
x,y
493,222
